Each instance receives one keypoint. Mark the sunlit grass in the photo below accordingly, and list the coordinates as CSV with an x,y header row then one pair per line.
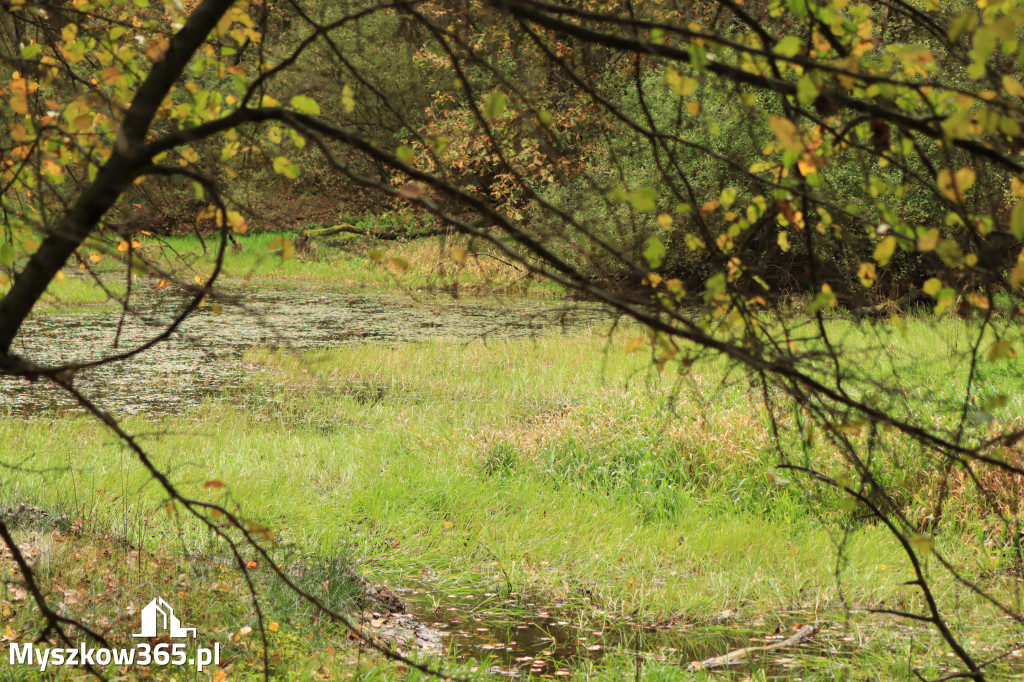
x,y
559,463
429,263
73,292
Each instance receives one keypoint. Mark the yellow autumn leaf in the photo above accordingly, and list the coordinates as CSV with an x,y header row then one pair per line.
x,y
237,222
348,100
807,166
867,274
81,123
679,84
189,156
785,130
1017,276
953,185
1017,187
1001,349
157,49
634,343
1012,87
928,240
111,75
783,240
923,543
52,169
884,250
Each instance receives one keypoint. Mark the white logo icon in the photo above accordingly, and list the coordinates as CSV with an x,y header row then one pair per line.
x,y
150,624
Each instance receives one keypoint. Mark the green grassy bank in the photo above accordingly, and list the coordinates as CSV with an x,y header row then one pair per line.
x,y
560,469
427,264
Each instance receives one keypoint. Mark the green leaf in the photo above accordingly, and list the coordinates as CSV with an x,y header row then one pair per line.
x,y
495,105
305,105
6,255
283,166
964,23
1001,349
698,57
439,144
950,253
981,417
1017,221
654,252
714,286
544,116
884,251
806,90
789,46
644,199
932,287
995,402
923,543
679,84
945,300
405,154
822,300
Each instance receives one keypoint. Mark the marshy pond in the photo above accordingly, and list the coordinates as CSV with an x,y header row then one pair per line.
x,y
505,635
205,357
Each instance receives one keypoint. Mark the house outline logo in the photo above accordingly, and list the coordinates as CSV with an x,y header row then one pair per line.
x,y
159,612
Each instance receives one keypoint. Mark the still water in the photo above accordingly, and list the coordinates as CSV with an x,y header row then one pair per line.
x,y
205,357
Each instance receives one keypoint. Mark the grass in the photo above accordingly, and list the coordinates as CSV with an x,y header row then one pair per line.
x,y
78,292
559,468
422,265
